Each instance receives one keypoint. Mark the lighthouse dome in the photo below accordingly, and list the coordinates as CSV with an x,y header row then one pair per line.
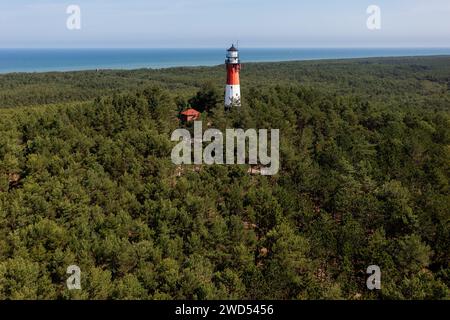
x,y
233,53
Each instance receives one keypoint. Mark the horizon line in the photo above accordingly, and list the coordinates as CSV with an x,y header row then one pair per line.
x,y
225,47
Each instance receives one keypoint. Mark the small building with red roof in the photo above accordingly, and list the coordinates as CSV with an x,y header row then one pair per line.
x,y
190,115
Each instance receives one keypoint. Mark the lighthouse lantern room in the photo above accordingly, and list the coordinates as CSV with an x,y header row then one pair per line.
x,y
233,87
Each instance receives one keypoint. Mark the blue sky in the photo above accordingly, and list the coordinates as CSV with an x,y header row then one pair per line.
x,y
215,23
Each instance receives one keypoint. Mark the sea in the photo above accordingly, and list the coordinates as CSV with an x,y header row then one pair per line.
x,y
43,60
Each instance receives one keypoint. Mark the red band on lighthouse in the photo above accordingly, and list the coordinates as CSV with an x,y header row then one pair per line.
x,y
233,74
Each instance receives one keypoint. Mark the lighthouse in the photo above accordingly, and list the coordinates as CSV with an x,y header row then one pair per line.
x,y
233,87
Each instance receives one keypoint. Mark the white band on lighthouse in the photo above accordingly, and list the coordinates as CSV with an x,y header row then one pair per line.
x,y
232,96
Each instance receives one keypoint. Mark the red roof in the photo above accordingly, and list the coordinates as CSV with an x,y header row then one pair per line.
x,y
190,112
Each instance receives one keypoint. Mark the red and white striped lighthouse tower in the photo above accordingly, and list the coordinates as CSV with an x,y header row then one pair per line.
x,y
233,88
